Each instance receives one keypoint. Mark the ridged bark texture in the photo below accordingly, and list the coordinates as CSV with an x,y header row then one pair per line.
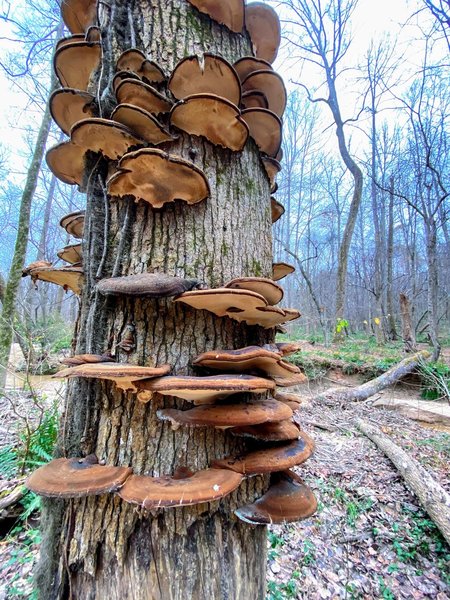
x,y
101,547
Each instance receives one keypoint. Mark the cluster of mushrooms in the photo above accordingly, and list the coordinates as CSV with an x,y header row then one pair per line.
x,y
226,104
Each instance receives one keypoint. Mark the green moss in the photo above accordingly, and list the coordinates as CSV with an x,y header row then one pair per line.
x,y
224,249
256,268
250,185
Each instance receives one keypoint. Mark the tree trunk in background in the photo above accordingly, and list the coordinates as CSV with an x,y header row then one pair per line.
x,y
20,248
432,288
390,262
408,335
101,547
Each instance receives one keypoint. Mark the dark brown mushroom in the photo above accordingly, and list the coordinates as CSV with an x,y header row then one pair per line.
x,y
109,138
212,117
134,60
272,168
265,129
279,431
281,269
277,210
248,64
254,99
163,492
75,62
271,84
138,93
288,499
81,359
225,12
147,285
76,477
141,122
209,74
67,106
156,177
263,25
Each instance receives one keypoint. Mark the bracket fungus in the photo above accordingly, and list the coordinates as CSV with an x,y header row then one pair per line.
x,y
66,162
263,25
67,106
72,254
81,359
281,269
272,168
135,61
272,86
249,64
105,136
227,415
205,390
288,499
136,92
73,223
287,348
277,431
292,400
76,477
70,278
147,285
254,99
79,15
156,177
270,290
143,123
225,12
277,210
75,62
124,376
163,492
270,459
208,74
212,117
265,128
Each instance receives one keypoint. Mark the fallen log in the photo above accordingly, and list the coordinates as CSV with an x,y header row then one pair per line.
x,y
432,496
372,387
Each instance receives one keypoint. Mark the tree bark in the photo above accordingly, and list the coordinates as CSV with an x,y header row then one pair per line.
x,y
432,496
390,263
20,248
408,334
433,283
101,547
372,387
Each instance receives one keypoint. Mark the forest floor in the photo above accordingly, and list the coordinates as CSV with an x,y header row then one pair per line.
x,y
369,537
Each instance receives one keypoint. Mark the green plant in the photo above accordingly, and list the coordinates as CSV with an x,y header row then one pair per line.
x,y
435,380
309,552
275,542
282,591
385,592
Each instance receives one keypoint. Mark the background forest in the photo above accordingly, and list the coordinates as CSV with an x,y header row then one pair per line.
x,y
365,184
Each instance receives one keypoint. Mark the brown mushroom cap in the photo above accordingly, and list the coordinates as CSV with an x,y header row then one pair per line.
x,y
156,177
71,254
159,492
288,499
272,168
76,477
79,15
70,278
146,285
141,122
81,359
66,162
254,99
270,290
93,34
292,400
67,106
248,64
240,305
37,264
206,390
121,75
287,348
212,117
75,62
263,25
134,60
271,84
226,12
73,223
138,93
281,269
124,376
71,39
252,358
278,431
265,129
210,74
268,460
227,415
277,210
103,135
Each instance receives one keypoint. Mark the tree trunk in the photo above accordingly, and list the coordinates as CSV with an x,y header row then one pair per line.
x,y
432,496
20,248
390,263
101,547
408,334
432,288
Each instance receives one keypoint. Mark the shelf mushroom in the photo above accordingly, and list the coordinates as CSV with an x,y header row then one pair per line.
x,y
76,477
277,210
75,62
81,359
271,85
267,288
292,400
278,431
213,117
267,460
72,254
263,25
136,92
135,61
73,223
70,278
226,12
68,106
124,376
141,122
272,168
147,285
265,128
288,499
152,175
281,269
164,492
204,390
249,64
208,74
66,162
227,415
79,15
108,137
